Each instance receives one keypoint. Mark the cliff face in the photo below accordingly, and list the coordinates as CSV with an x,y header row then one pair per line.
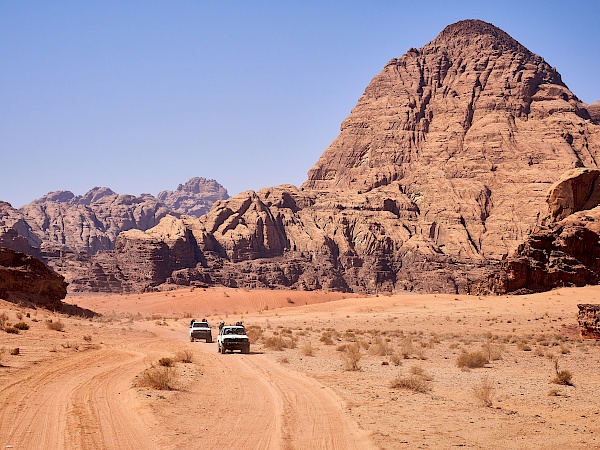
x,y
564,250
23,278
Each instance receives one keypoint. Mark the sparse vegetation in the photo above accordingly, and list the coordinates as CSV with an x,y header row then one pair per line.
x,y
11,330
161,378
21,326
55,325
184,356
307,349
87,338
166,362
472,360
3,320
484,391
15,351
352,357
562,377
414,383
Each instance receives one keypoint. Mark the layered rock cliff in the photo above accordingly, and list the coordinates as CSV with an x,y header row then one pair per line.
x,y
24,278
564,250
440,170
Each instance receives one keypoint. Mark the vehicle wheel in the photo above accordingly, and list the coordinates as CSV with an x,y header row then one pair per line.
x,y
209,341
246,350
191,339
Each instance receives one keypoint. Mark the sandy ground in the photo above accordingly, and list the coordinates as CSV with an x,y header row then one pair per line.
x,y
81,387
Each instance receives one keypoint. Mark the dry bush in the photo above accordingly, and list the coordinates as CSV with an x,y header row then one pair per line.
x,y
524,346
472,360
326,338
3,320
413,383
406,348
380,348
278,342
2,351
56,326
166,362
161,378
21,326
352,357
418,371
562,377
484,391
307,349
184,356
254,333
341,348
396,359
11,330
493,351
15,351
87,338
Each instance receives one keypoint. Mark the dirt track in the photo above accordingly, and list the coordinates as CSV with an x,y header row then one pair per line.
x,y
85,400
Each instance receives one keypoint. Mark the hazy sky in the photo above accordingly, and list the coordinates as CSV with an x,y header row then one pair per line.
x,y
141,96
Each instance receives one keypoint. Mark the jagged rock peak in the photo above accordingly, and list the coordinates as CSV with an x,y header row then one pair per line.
x,y
469,32
199,184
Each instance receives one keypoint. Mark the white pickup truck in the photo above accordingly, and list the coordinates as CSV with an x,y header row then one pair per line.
x,y
233,337
200,330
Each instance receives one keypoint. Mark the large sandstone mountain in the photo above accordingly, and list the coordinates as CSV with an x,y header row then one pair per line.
x,y
439,172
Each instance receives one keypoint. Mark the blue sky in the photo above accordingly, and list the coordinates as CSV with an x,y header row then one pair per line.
x,y
141,96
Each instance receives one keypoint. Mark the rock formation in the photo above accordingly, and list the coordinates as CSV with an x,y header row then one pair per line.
x,y
194,198
440,170
15,232
89,223
564,250
589,320
24,278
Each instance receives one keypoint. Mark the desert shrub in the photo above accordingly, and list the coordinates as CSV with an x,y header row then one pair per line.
x,y
3,320
396,359
562,377
380,348
484,391
21,326
307,349
352,357
524,346
2,351
493,351
472,360
15,351
11,330
274,343
419,372
87,338
56,326
161,378
254,333
341,348
406,348
326,338
184,356
166,362
413,383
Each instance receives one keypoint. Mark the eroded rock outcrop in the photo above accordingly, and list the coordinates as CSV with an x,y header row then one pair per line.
x,y
565,250
589,320
24,278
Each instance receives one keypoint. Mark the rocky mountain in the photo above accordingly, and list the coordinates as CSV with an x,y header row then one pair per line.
x,y
89,223
193,198
440,171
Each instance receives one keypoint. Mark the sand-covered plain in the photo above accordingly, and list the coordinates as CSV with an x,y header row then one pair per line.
x,y
80,387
